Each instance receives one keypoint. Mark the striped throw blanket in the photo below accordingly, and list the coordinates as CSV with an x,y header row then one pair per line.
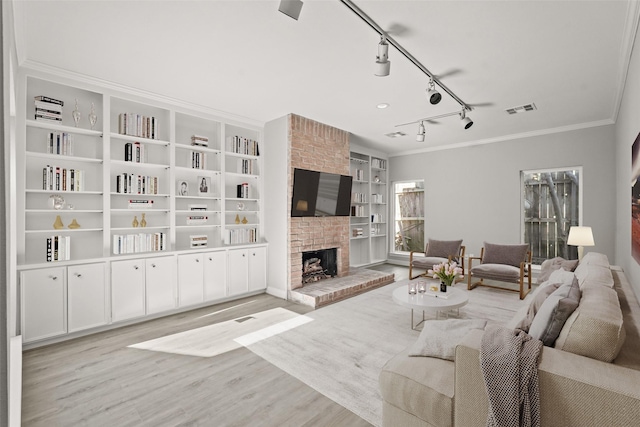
x,y
509,362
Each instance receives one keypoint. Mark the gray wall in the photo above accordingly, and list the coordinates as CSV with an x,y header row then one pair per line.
x,y
474,192
627,129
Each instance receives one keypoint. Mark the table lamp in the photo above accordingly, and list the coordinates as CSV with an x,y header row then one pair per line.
x,y
580,237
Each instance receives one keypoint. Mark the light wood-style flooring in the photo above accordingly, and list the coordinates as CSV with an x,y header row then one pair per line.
x,y
98,381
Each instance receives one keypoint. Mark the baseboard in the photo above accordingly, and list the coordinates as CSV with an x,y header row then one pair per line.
x,y
15,381
277,292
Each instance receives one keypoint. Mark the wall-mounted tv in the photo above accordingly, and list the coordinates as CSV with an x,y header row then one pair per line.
x,y
320,194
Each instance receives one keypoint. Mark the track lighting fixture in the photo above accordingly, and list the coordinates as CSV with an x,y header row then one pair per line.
x,y
421,132
466,121
291,8
432,94
383,65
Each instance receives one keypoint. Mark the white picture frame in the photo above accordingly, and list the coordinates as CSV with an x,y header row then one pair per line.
x,y
204,185
182,187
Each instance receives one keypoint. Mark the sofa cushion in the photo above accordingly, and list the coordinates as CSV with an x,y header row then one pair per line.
x,y
536,303
595,329
504,254
503,272
439,338
422,386
443,248
594,275
550,265
553,313
595,258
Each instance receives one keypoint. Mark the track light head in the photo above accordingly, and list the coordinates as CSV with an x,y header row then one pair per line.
x,y
383,65
291,8
421,133
432,94
466,121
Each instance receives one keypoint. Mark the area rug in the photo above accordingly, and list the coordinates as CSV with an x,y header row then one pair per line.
x,y
342,351
209,341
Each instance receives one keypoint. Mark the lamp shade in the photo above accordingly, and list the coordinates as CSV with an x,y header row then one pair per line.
x,y
580,236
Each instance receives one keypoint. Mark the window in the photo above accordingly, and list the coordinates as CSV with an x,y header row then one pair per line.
x,y
552,201
408,214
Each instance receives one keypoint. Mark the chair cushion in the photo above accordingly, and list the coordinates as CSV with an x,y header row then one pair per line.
x,y
443,248
427,262
504,254
554,312
502,272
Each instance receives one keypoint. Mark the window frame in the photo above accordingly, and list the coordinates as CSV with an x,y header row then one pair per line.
x,y
419,183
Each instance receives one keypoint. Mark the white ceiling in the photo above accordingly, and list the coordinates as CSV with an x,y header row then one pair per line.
x,y
248,59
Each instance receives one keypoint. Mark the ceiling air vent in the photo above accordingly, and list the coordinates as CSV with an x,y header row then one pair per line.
x,y
521,109
395,134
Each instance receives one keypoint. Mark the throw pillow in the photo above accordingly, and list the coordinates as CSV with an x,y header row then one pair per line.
x,y
562,276
535,305
443,248
554,312
439,338
504,254
550,265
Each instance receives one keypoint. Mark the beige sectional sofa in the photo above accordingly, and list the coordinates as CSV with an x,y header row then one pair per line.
x,y
591,377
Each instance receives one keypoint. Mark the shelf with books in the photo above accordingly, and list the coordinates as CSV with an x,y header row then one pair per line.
x,y
193,129
64,141
132,119
53,231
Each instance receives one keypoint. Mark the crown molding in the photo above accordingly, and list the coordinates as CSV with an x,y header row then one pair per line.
x,y
626,49
511,137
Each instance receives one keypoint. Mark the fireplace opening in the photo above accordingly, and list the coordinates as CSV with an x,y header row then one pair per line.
x,y
318,265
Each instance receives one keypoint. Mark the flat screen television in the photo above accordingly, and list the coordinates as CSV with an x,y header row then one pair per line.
x,y
320,194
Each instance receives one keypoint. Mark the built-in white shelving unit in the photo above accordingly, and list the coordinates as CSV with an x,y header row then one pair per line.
x,y
369,209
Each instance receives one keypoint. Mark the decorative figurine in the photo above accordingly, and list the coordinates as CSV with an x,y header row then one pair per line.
x,y
143,221
237,219
58,223
76,114
134,224
74,224
93,118
244,220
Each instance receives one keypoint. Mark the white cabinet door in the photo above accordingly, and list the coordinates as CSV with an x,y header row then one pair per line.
x,y
257,268
161,284
190,279
43,303
238,264
86,296
215,275
127,289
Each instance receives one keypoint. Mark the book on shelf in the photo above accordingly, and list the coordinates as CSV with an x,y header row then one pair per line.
x,y
62,179
242,190
141,242
60,143
135,152
197,207
376,218
357,232
200,140
49,107
136,184
198,241
140,204
234,236
48,100
242,145
378,163
245,166
138,125
357,211
58,248
198,160
197,219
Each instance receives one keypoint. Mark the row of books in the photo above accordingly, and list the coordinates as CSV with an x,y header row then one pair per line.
x,y
48,109
140,204
358,197
358,175
60,143
136,184
135,152
378,163
377,218
245,166
242,190
198,241
357,232
58,248
200,140
357,211
138,125
376,198
136,243
242,145
197,219
235,236
198,160
62,179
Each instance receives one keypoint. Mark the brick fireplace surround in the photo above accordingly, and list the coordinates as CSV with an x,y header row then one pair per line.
x,y
323,148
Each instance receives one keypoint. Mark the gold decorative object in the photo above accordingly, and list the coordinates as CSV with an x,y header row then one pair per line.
x,y
244,220
143,221
58,223
74,224
135,221
237,219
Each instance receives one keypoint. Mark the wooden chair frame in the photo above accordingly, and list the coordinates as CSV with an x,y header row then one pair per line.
x,y
525,272
457,258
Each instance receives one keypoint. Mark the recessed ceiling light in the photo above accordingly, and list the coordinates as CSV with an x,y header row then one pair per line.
x,y
382,105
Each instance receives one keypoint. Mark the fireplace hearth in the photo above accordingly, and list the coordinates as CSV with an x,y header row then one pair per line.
x,y
319,265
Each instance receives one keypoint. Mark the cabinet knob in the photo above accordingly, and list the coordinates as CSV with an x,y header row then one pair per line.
x,y
54,277
153,266
197,259
254,254
210,259
78,275
135,267
243,255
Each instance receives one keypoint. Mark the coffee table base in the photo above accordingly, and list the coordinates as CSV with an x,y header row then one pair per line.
x,y
415,327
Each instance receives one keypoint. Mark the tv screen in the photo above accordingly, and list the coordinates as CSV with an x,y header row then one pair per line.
x,y
320,194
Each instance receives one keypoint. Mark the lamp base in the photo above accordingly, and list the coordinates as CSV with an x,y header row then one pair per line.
x,y
580,252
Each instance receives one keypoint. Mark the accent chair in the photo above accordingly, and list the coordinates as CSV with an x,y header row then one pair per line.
x,y
503,263
436,252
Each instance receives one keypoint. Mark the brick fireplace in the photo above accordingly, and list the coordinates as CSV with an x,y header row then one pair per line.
x,y
323,148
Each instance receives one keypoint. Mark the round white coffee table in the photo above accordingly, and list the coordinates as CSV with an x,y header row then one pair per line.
x,y
455,299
